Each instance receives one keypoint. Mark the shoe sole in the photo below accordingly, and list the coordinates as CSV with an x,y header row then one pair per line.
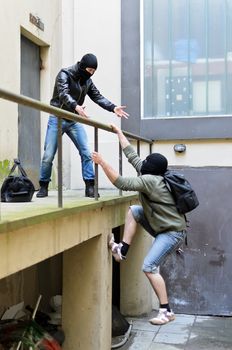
x,y
111,242
116,257
154,323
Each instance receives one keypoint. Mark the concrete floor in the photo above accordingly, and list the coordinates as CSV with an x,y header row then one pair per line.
x,y
187,332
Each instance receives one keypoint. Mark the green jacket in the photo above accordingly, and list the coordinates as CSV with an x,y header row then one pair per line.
x,y
151,188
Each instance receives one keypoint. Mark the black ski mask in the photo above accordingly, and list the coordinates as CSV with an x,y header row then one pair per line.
x,y
154,164
89,60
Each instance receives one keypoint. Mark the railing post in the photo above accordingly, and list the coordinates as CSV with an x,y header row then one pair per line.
x,y
96,165
150,148
120,165
138,147
60,178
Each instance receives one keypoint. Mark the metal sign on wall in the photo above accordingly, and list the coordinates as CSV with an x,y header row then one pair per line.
x,y
36,21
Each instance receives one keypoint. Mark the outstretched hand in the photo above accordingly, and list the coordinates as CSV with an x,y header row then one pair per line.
x,y
119,111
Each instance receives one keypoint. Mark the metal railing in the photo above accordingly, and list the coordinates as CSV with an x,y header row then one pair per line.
x,y
59,113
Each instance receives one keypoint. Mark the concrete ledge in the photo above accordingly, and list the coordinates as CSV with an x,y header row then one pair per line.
x,y
18,215
30,239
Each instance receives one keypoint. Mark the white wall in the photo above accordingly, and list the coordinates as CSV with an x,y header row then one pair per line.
x,y
198,153
97,30
67,36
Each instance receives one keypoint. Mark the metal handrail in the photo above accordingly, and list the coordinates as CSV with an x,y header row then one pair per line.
x,y
60,113
30,102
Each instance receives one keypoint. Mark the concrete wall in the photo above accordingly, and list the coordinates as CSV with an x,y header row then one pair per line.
x,y
87,268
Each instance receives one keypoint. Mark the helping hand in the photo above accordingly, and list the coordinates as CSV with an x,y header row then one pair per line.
x,y
120,112
97,158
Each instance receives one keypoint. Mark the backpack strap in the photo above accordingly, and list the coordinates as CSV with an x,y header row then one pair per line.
x,y
167,184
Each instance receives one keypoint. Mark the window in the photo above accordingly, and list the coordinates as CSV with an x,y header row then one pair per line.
x,y
186,58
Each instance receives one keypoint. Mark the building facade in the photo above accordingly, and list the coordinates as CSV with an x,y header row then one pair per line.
x,y
176,78
176,94
38,39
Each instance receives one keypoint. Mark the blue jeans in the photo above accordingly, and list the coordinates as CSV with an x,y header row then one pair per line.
x,y
164,243
77,134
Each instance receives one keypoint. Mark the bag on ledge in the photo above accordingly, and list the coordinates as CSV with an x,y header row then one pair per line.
x,y
17,188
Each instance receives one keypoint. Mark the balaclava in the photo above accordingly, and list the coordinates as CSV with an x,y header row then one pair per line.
x,y
89,60
154,164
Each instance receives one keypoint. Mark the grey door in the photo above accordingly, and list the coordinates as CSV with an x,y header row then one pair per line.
x,y
199,282
29,119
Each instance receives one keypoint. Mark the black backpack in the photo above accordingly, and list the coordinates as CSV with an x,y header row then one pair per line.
x,y
17,188
184,196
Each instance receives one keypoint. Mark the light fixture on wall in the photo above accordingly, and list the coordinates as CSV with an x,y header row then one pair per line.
x,y
179,148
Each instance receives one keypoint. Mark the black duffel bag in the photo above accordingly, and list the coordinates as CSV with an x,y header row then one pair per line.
x,y
17,188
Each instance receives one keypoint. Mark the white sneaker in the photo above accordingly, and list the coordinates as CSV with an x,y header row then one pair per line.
x,y
116,249
164,316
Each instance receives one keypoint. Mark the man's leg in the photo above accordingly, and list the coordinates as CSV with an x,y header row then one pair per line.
x,y
119,251
50,148
165,314
78,135
135,216
163,245
159,286
129,228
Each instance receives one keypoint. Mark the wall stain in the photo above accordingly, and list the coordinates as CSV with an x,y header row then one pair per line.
x,y
220,257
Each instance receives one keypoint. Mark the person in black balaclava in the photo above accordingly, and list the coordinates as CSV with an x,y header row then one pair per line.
x,y
156,213
71,86
154,164
87,61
